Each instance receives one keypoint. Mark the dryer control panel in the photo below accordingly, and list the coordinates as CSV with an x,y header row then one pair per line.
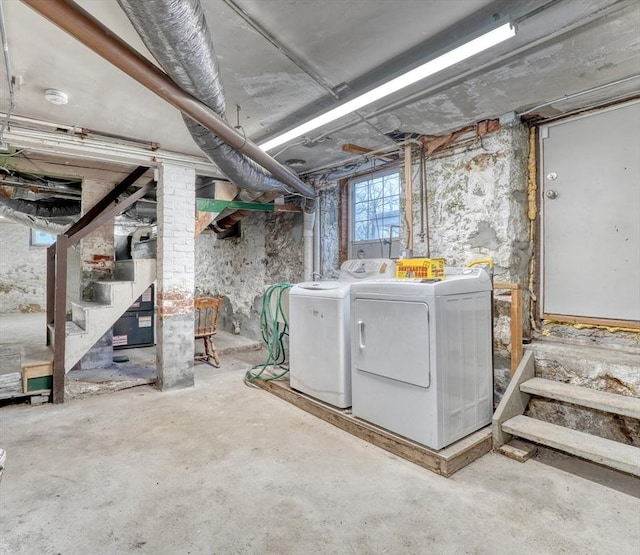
x,y
367,268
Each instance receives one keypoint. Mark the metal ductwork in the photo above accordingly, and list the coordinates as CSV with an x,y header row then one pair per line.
x,y
44,208
176,33
80,24
43,223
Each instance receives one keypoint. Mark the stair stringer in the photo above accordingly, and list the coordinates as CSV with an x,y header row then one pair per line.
x,y
95,319
514,402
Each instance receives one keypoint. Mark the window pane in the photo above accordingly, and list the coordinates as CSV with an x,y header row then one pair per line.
x,y
376,208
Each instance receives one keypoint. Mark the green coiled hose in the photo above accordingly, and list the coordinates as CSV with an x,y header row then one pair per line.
x,y
274,328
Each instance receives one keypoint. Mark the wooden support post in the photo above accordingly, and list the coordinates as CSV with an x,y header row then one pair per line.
x,y
516,329
59,318
516,322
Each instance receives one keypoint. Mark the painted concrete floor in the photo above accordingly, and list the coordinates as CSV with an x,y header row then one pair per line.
x,y
227,469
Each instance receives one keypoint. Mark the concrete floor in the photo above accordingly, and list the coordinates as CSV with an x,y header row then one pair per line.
x,y
224,468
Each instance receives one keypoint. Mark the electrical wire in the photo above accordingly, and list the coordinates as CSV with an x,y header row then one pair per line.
x,y
274,328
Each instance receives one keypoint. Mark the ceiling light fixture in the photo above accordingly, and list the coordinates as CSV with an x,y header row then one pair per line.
x,y
56,97
454,56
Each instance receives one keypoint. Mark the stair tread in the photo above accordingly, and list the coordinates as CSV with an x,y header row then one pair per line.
x,y
584,396
89,304
71,328
620,456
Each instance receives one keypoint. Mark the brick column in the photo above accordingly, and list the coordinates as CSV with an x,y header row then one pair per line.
x,y
176,270
97,253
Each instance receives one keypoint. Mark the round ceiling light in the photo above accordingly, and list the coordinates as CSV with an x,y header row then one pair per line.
x,y
56,97
295,162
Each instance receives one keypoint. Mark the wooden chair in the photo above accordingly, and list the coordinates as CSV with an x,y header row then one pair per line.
x,y
207,310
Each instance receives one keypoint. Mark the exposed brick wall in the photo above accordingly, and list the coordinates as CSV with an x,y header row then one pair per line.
x,y
176,267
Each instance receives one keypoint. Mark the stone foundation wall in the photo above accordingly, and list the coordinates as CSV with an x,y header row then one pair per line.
x,y
23,275
240,269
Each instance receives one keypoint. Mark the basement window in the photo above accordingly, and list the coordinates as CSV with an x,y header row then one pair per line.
x,y
375,202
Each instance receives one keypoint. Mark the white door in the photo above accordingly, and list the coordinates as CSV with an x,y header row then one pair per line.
x,y
391,339
591,215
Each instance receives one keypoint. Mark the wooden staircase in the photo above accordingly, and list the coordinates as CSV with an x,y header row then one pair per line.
x,y
510,420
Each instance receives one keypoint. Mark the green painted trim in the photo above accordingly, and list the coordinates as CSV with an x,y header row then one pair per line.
x,y
212,205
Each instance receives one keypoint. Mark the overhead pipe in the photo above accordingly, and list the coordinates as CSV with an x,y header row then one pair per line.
x,y
177,35
81,25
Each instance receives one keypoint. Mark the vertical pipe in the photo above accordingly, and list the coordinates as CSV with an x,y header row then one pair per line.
x,y
425,206
317,245
408,189
307,234
60,319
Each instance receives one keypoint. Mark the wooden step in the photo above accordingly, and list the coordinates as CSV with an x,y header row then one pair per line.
x,y
613,454
583,396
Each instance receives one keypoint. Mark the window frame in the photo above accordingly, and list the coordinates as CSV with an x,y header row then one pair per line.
x,y
371,176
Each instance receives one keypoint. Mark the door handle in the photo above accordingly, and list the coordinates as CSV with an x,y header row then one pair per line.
x,y
361,334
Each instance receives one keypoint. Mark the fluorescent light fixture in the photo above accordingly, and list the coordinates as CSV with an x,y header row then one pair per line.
x,y
475,46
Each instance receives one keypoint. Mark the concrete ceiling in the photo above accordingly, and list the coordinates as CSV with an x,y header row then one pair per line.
x,y
562,48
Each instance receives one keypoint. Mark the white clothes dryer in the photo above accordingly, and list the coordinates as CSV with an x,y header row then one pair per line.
x,y
422,355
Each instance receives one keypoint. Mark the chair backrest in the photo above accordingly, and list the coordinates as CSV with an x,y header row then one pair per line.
x,y
207,310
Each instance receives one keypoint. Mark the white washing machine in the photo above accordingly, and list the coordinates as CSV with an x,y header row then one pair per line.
x,y
319,345
422,355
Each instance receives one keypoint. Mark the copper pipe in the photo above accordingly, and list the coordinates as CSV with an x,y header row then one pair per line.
x,y
81,25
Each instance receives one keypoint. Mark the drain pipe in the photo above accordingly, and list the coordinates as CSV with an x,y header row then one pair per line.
x,y
307,237
89,31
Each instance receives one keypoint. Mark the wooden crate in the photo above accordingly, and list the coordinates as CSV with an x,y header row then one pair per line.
x,y
444,462
35,371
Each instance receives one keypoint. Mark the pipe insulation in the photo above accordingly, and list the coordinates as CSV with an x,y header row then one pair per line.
x,y
177,34
44,208
36,222
81,25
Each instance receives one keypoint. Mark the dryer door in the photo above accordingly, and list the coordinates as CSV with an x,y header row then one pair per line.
x,y
391,339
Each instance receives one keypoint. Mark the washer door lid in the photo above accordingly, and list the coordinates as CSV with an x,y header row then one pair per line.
x,y
322,285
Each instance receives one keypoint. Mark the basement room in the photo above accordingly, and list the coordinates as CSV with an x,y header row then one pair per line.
x,y
300,278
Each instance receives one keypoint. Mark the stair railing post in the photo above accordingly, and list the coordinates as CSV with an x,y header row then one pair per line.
x,y
60,318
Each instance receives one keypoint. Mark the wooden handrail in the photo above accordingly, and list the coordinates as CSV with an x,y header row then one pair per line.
x,y
57,254
516,322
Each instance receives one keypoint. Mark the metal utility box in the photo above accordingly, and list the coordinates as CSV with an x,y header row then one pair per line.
x,y
135,328
421,355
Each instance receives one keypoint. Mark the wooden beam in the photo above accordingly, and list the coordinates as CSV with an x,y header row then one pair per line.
x,y
505,285
343,220
630,325
357,149
444,462
107,200
111,212
203,219
516,329
60,319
